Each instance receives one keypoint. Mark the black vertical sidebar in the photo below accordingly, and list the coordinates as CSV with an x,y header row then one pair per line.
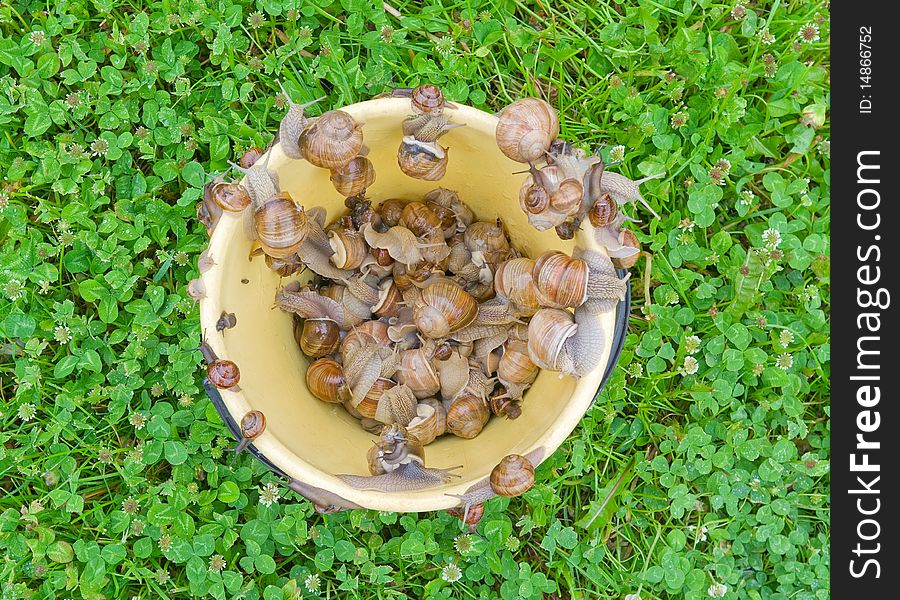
x,y
865,429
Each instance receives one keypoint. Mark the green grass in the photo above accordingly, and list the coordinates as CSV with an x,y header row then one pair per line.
x,y
704,462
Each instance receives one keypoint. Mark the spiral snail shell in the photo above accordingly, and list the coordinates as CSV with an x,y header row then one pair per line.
x,y
467,416
526,128
417,372
445,307
422,160
253,424
230,196
560,281
427,98
548,331
628,239
224,374
604,211
516,365
419,219
353,178
513,476
368,406
281,226
514,281
318,337
502,405
332,141
325,380
349,247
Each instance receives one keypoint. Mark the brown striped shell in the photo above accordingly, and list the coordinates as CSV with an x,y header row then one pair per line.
x,y
560,280
318,337
514,282
513,476
548,331
325,380
281,226
332,141
526,128
353,178
467,416
445,307
427,98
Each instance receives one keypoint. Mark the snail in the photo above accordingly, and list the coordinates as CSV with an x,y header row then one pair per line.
x,y
391,210
252,426
350,249
250,156
260,183
526,129
444,307
428,423
513,476
364,334
487,240
323,501
370,401
325,380
292,125
428,98
332,141
313,305
389,299
353,178
281,226
622,190
417,372
445,203
402,458
557,341
469,516
604,211
318,337
286,266
205,262
196,289
428,127
604,288
422,160
467,416
400,243
503,405
516,365
628,240
224,374
419,219
226,320
396,405
560,281
514,283
550,195
219,196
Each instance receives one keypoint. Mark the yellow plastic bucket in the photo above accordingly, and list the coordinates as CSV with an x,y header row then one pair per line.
x,y
311,441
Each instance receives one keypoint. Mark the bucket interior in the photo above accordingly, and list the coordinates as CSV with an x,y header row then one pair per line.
x,y
312,440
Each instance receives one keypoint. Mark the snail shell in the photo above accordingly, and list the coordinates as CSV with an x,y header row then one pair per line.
x,y
629,240
534,199
281,226
604,210
229,196
400,242
332,141
526,129
467,416
350,249
390,211
513,476
503,405
514,282
224,374
286,266
319,337
469,515
368,406
560,280
445,307
226,320
253,424
389,299
419,219
548,330
368,332
516,365
567,197
487,238
417,372
249,158
422,160
425,424
325,380
427,98
440,415
353,178
196,289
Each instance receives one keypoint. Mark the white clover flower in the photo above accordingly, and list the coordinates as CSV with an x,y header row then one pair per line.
x,y
691,365
766,37
99,147
463,543
617,154
451,572
784,361
269,494
692,344
312,583
62,334
679,119
786,337
27,412
809,33
14,289
138,421
686,224
633,597
717,590
771,238
444,46
37,37
748,198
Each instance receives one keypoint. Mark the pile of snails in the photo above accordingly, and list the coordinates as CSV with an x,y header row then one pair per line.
x,y
420,319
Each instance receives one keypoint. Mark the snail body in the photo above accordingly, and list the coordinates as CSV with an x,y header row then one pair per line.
x,y
292,125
